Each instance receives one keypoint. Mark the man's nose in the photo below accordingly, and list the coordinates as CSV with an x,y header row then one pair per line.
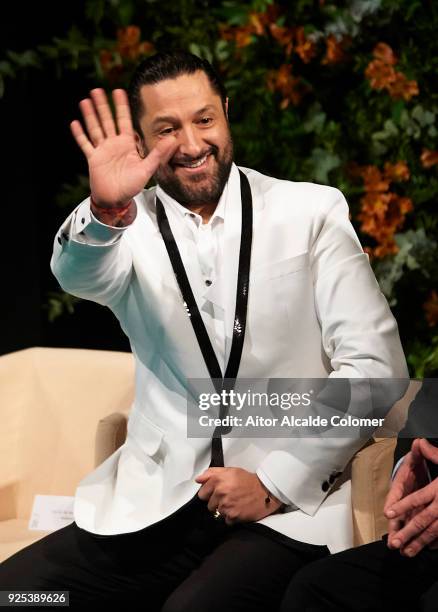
x,y
191,144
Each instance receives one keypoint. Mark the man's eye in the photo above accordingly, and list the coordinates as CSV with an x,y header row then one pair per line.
x,y
166,131
206,120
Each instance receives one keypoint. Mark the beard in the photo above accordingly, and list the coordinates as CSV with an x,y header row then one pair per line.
x,y
202,188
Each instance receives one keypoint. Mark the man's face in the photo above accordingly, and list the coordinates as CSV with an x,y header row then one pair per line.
x,y
188,109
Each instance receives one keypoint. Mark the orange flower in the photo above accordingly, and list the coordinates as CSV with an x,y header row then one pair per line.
x,y
382,75
397,172
304,47
241,35
384,53
373,179
106,59
284,37
129,45
146,48
335,51
382,211
257,24
257,21
128,40
430,306
429,158
401,88
291,87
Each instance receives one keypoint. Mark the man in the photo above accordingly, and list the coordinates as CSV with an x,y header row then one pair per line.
x,y
217,271
401,570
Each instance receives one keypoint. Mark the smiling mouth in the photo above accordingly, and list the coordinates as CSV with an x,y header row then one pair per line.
x,y
196,164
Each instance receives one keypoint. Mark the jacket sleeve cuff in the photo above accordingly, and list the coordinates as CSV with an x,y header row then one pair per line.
x,y
274,490
87,228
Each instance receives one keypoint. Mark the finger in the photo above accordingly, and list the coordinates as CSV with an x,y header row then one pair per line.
x,y
416,450
123,112
81,138
428,451
205,491
91,121
103,111
419,523
394,495
214,502
394,526
203,476
414,546
410,502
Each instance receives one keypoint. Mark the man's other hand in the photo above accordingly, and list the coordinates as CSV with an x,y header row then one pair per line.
x,y
412,504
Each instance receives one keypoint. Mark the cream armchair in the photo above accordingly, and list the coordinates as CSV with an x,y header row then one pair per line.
x,y
52,402
64,411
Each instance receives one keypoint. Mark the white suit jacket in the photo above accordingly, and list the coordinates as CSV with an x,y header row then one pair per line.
x,y
314,310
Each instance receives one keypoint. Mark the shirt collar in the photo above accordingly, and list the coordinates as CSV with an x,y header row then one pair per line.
x,y
184,213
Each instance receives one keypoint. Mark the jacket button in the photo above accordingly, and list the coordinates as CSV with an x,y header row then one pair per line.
x,y
325,486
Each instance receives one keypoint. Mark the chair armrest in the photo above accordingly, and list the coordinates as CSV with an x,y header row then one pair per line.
x,y
370,479
110,434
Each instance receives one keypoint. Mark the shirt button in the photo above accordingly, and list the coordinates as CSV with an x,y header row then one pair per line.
x,y
208,282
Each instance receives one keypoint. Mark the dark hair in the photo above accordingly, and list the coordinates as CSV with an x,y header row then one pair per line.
x,y
168,65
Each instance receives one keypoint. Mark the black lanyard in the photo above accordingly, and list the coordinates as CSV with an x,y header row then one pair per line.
x,y
217,456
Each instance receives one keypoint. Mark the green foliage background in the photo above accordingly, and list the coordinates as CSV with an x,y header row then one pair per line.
x,y
330,120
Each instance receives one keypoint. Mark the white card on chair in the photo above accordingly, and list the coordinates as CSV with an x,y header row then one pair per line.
x,y
51,512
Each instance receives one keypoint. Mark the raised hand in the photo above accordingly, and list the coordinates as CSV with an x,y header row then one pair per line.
x,y
117,171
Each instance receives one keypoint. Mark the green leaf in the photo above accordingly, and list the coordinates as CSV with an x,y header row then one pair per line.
x,y
323,162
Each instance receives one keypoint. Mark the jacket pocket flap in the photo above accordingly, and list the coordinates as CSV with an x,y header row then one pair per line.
x,y
145,433
281,267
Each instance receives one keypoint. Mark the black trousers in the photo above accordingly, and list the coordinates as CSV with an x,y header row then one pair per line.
x,y
369,578
188,562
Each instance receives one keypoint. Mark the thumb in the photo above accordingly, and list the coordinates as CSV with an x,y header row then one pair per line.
x,y
429,451
160,154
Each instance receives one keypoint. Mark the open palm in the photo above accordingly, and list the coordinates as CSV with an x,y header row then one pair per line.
x,y
117,171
